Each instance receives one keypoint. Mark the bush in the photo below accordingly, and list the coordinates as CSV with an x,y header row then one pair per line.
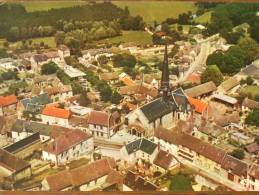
x,y
238,153
49,68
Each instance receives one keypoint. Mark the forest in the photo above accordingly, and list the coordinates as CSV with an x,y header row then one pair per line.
x,y
18,24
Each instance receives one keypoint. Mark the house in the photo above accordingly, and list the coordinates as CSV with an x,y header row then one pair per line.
x,y
63,51
22,129
7,64
78,122
53,115
68,146
254,177
101,124
249,104
73,73
135,182
84,178
35,104
26,146
37,61
193,151
80,110
225,99
199,106
14,167
53,56
94,54
252,148
162,111
209,131
139,149
252,70
229,85
241,138
125,78
205,89
165,161
8,105
59,93
110,77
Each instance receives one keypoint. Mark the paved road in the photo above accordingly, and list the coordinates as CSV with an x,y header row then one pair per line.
x,y
199,63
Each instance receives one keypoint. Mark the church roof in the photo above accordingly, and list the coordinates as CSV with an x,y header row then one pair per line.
x,y
158,108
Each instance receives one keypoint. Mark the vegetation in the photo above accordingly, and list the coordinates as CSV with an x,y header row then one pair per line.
x,y
137,37
251,92
252,118
180,183
226,16
238,153
16,23
156,10
32,6
49,68
235,57
212,73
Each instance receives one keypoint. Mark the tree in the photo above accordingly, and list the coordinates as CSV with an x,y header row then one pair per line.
x,y
252,118
238,153
76,87
250,48
102,60
9,75
116,97
49,68
249,80
3,53
124,60
255,31
60,37
212,73
180,183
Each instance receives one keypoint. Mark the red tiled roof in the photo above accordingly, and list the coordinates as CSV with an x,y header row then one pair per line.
x,y
81,175
56,112
100,118
127,81
199,105
66,141
8,100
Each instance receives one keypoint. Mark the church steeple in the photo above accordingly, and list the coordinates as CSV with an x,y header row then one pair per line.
x,y
164,85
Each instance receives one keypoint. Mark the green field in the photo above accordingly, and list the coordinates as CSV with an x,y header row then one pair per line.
x,y
50,41
250,91
138,37
157,10
204,18
46,5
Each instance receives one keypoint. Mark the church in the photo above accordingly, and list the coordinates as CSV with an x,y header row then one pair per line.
x,y
166,110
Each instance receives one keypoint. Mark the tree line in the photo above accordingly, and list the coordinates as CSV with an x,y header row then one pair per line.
x,y
17,24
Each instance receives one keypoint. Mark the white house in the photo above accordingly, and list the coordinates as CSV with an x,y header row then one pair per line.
x,y
59,93
101,124
55,116
68,146
63,51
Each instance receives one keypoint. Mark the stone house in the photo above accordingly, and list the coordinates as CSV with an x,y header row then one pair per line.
x,y
68,146
8,105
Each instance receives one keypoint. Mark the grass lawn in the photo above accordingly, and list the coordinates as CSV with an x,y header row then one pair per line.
x,y
204,18
138,37
250,91
157,10
50,41
46,5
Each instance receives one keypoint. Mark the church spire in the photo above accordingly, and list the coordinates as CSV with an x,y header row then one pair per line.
x,y
164,85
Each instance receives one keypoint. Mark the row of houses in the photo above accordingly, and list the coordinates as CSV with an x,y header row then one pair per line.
x,y
207,157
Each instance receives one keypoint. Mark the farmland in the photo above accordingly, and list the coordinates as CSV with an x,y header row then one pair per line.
x,y
157,10
31,6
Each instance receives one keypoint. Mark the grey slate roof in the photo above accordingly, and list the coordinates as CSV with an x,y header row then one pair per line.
x,y
161,107
36,103
31,127
13,148
158,108
141,144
